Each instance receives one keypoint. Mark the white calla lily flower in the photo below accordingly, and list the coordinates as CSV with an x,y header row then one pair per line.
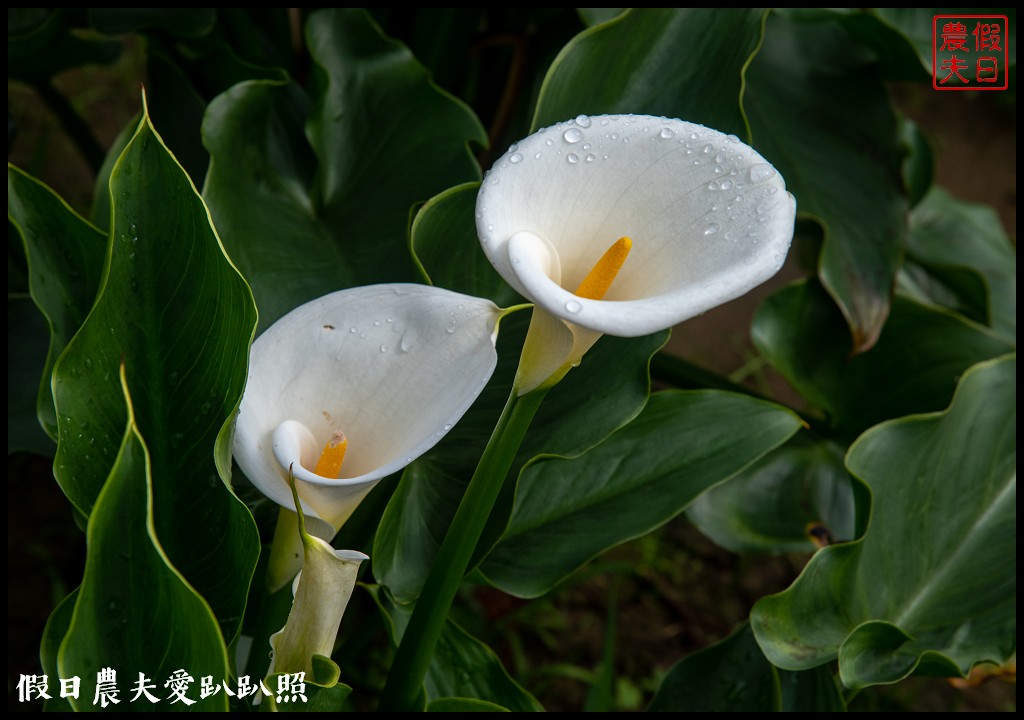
x,y
352,387
628,224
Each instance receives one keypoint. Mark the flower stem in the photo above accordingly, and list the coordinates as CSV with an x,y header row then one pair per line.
x,y
405,680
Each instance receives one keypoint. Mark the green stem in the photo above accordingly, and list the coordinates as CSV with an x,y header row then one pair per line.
x,y
405,680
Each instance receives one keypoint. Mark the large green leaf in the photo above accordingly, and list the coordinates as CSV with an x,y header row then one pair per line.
x,y
814,690
447,250
820,112
964,247
912,368
134,612
569,510
174,310
769,506
933,580
656,62
53,634
731,676
916,25
594,16
606,391
463,705
462,668
303,219
65,261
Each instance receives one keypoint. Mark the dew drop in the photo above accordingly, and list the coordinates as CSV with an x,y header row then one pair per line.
x,y
133,229
591,157
450,329
708,148
711,229
516,158
383,348
537,156
353,329
573,307
573,158
572,135
666,133
726,184
615,136
761,172
549,141
582,121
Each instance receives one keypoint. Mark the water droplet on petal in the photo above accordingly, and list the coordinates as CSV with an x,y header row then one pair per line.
x,y
761,172
591,157
583,121
726,184
708,148
572,135
573,307
666,133
711,229
517,157
573,158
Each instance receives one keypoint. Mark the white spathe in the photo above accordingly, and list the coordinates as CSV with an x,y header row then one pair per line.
x,y
393,367
709,219
321,594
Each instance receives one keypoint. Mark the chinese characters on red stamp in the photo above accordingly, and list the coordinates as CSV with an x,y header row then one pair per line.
x,y
970,52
